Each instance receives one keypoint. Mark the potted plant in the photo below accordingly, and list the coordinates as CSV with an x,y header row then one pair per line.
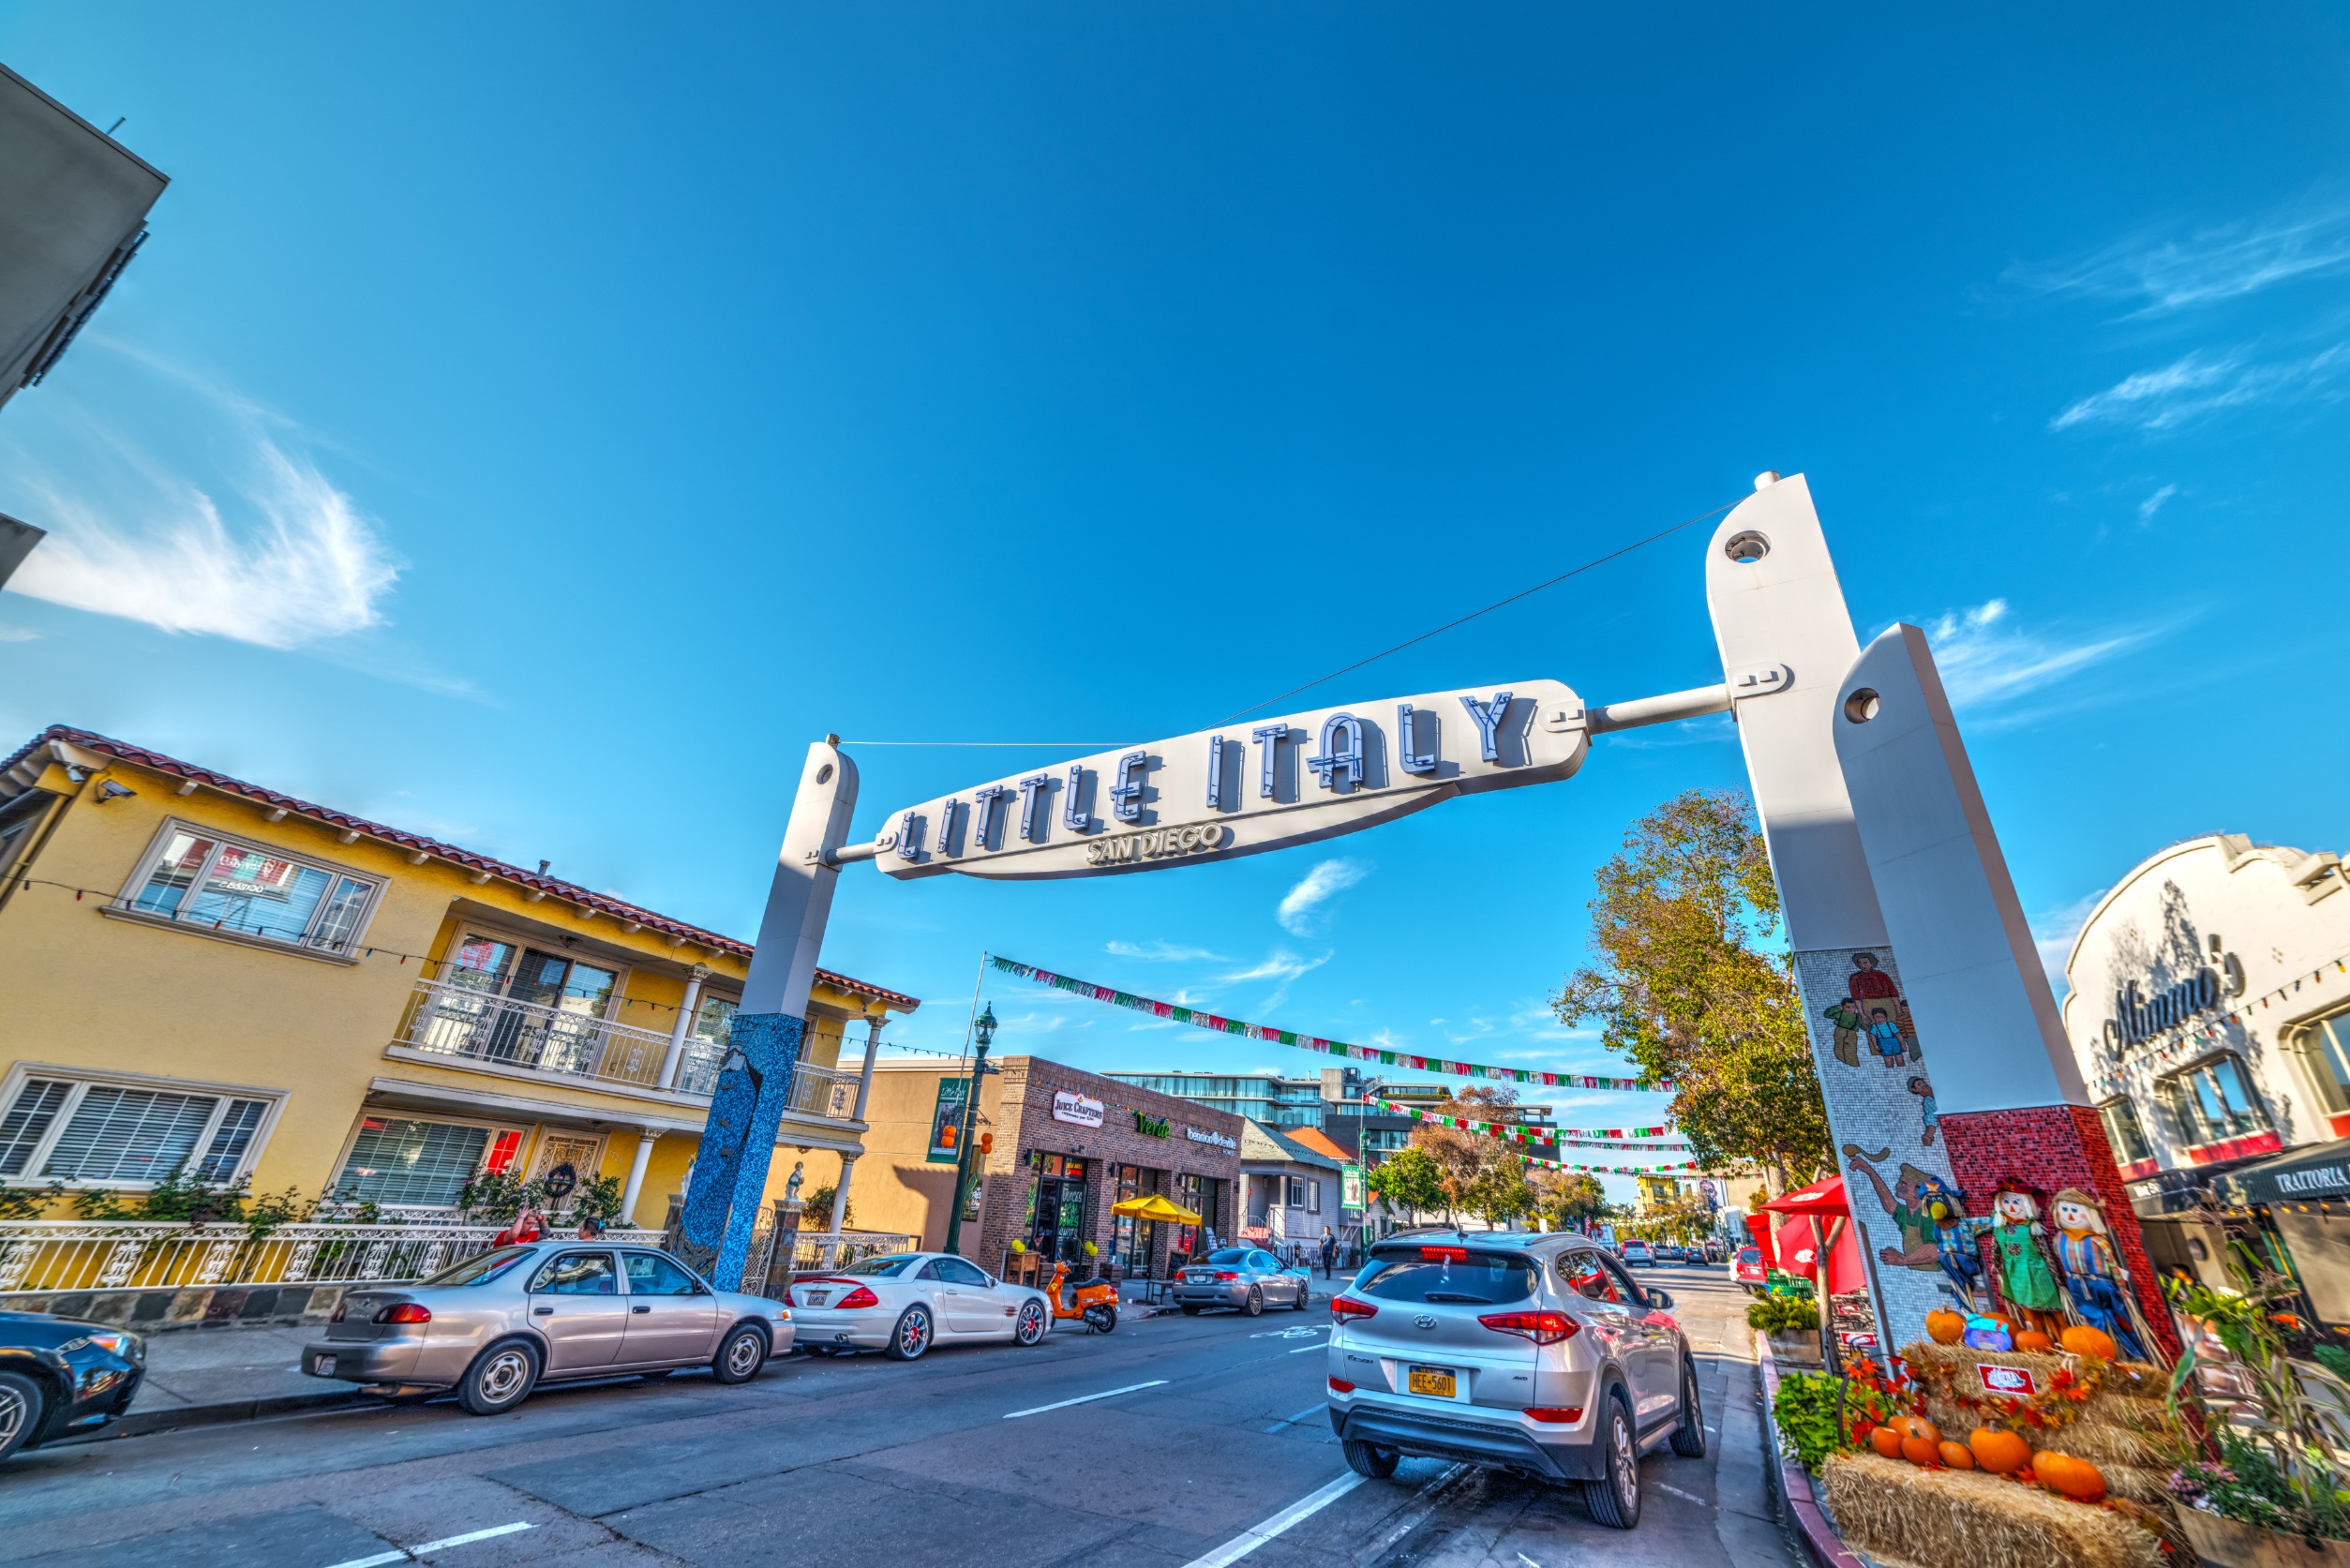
x,y
1792,1324
2260,1488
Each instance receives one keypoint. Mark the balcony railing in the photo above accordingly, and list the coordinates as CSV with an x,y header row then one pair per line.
x,y
143,1255
471,1025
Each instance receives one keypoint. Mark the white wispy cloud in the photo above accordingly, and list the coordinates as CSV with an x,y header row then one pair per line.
x,y
2055,931
2198,384
233,531
2163,273
19,634
1301,910
1159,951
2153,504
1283,965
1987,660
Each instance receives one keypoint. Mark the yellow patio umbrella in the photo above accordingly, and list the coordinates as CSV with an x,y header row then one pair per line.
x,y
1154,1207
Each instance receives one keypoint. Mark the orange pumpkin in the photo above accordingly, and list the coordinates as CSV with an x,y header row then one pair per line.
x,y
1920,1440
2076,1478
2081,1340
2033,1339
1957,1456
1919,1451
1886,1440
1946,1326
2000,1453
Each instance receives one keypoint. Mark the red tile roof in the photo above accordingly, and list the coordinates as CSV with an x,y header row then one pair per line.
x,y
1315,1139
553,886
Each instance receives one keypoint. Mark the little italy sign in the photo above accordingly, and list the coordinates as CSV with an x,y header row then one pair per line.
x,y
1221,793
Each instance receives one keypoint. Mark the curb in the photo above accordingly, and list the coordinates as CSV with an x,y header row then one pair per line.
x,y
1827,1548
140,1424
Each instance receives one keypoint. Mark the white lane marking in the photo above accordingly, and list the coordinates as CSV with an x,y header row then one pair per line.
x,y
1691,1497
1529,1561
1414,1518
468,1537
381,1559
1257,1535
1300,1332
1085,1398
1303,1349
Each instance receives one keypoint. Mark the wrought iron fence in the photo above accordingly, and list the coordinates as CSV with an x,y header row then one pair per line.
x,y
816,1249
137,1255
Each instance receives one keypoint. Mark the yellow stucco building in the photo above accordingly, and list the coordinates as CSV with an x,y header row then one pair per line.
x,y
199,973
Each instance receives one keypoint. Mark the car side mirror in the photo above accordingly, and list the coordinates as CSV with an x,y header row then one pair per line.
x,y
1660,1300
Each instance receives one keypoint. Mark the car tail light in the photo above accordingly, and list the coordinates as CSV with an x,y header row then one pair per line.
x,y
861,1296
1226,1274
1340,1385
1344,1307
1564,1414
1543,1328
1444,1254
406,1312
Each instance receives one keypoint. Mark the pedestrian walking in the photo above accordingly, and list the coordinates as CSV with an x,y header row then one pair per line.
x,y
1329,1252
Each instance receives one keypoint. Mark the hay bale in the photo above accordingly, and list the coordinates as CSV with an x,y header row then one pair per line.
x,y
1948,1518
2125,1424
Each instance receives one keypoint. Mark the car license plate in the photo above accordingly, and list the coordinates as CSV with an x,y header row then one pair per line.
x,y
817,1298
1434,1381
326,1367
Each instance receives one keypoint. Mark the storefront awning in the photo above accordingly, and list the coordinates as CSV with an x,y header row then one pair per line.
x,y
1154,1207
2306,1176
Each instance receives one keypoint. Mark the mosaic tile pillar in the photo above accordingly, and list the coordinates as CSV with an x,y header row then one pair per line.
x,y
738,1144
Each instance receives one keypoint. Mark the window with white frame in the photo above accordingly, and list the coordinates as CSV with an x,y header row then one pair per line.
x,y
422,1164
204,879
91,1132
1297,1194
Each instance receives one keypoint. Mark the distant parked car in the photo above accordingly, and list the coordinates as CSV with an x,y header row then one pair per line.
x,y
903,1303
1246,1278
1749,1269
1714,1251
1535,1354
60,1376
1669,1252
1638,1252
497,1325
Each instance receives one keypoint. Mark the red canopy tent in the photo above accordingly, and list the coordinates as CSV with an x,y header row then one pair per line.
x,y
1819,1220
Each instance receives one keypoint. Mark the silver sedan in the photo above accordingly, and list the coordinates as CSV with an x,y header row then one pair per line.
x,y
495,1326
1246,1278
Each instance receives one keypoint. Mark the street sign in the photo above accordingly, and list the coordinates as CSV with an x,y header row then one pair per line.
x,y
1245,789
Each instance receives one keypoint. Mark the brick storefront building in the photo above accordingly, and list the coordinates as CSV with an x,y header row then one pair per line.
x,y
1063,1146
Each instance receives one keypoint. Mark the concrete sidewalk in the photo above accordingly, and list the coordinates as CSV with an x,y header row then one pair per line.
x,y
199,1375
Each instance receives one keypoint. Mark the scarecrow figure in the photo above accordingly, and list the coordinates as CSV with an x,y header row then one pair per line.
x,y
2026,1281
2093,1274
1954,1248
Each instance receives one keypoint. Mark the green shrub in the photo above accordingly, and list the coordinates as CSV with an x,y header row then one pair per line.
x,y
1783,1315
1807,1414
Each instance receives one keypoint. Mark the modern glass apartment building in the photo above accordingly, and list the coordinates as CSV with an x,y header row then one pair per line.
x,y
1275,1101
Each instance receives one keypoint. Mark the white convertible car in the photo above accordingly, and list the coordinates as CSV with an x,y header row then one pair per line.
x,y
903,1303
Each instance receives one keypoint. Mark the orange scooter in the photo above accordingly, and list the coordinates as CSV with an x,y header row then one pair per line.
x,y
1096,1302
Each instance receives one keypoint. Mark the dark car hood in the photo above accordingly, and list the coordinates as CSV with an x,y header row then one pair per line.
x,y
43,1332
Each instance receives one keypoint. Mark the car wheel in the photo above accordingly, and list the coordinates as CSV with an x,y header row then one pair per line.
x,y
1029,1327
911,1337
20,1411
1614,1498
740,1356
1367,1458
500,1378
1688,1439
1255,1305
1305,1297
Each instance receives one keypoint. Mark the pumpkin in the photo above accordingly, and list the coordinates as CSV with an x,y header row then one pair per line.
x,y
1919,1451
2033,1339
1957,1454
2076,1478
1887,1441
1945,1325
1919,1428
2000,1453
2081,1340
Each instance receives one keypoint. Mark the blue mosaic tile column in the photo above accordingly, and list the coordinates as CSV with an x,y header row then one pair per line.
x,y
739,1144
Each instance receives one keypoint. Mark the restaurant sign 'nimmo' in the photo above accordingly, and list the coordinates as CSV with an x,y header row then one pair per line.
x,y
1246,788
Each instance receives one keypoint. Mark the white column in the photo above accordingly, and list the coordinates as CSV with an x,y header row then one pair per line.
x,y
646,1139
685,1024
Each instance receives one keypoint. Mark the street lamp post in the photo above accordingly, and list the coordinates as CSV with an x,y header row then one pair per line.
x,y
983,1027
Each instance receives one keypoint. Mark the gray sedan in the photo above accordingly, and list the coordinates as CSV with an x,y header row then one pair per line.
x,y
495,1326
1246,1278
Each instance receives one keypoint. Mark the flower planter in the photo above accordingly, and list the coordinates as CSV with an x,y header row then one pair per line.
x,y
1796,1348
2227,1544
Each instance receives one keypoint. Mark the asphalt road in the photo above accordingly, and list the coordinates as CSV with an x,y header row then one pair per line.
x,y
1175,1442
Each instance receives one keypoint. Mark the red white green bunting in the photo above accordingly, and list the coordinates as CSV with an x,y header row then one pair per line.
x,y
1526,1132
1203,1020
1513,1132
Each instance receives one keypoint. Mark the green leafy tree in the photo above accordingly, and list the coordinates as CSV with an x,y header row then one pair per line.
x,y
1691,980
1566,1199
1409,1180
1500,1192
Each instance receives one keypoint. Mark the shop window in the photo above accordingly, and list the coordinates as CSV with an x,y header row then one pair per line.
x,y
213,883
2327,1044
99,1134
2123,1131
2212,1102
419,1164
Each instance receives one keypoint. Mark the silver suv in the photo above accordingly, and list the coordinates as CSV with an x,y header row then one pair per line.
x,y
1535,1354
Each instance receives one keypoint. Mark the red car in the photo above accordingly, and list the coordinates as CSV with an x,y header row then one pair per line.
x,y
1749,1270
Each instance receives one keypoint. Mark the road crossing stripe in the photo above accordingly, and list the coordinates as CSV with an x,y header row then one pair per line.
x,y
381,1559
1085,1398
1254,1536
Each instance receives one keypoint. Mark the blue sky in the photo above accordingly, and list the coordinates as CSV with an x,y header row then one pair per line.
x,y
533,425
